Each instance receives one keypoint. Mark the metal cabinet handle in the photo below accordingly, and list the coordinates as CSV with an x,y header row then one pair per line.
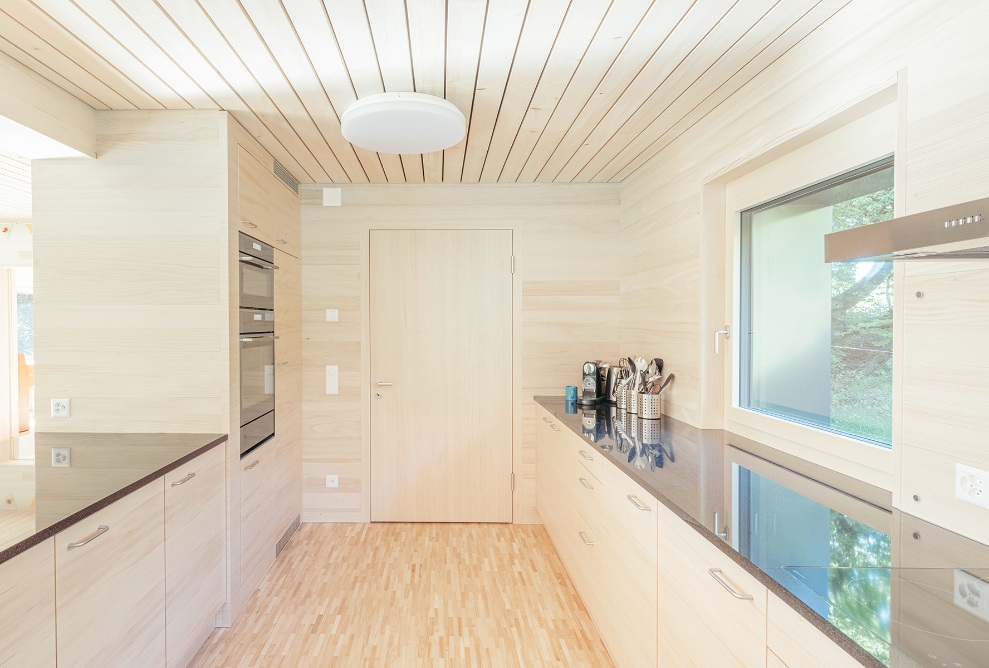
x,y
716,574
281,241
726,332
638,504
584,539
102,529
176,483
252,465
381,383
587,485
250,224
281,363
583,453
555,428
547,420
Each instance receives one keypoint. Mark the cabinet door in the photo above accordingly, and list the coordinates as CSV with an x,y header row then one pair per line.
x,y
711,611
797,644
254,196
110,584
288,388
27,608
287,218
258,501
195,553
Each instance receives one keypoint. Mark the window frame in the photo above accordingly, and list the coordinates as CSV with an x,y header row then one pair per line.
x,y
861,142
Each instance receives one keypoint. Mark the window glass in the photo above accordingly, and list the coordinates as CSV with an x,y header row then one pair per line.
x,y
817,338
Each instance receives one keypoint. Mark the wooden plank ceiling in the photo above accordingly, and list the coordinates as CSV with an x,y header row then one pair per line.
x,y
15,189
554,90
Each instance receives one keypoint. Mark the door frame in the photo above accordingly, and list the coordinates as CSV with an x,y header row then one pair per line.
x,y
366,388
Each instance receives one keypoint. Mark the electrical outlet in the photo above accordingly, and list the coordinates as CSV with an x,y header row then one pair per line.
x,y
61,457
332,481
61,408
972,485
972,594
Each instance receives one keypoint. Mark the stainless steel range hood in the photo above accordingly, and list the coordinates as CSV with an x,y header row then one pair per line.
x,y
956,232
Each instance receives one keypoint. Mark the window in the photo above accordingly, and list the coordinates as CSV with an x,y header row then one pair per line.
x,y
816,343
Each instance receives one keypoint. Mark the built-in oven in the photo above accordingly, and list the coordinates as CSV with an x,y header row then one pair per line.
x,y
257,343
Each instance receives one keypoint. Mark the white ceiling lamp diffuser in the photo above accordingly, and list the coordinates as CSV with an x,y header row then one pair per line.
x,y
403,123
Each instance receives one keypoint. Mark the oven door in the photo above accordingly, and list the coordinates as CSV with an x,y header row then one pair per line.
x,y
257,283
257,376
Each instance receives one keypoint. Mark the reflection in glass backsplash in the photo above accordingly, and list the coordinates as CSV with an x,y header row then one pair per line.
x,y
836,564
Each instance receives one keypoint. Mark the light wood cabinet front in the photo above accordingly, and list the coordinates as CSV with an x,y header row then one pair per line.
x,y
27,608
195,553
254,196
288,388
287,218
711,611
110,584
796,642
258,497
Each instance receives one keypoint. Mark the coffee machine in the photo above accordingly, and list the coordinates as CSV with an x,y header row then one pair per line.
x,y
589,394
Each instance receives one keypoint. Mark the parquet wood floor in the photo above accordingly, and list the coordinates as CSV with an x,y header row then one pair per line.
x,y
492,595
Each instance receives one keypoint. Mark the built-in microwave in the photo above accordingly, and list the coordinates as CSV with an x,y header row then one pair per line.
x,y
257,275
257,343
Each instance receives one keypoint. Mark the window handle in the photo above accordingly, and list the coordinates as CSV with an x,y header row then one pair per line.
x,y
726,332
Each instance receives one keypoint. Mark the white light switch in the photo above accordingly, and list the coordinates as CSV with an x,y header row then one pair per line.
x,y
332,380
332,315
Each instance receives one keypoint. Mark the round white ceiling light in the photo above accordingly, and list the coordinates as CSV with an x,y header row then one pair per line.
x,y
403,123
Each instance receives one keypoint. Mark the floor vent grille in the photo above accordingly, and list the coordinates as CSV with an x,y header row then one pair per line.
x,y
287,535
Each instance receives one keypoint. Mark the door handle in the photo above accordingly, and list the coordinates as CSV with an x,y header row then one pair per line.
x,y
176,483
102,529
716,574
381,383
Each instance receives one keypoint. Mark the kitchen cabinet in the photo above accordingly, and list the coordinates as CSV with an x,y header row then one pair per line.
x,y
110,584
773,661
287,218
797,644
604,526
711,611
254,196
27,607
195,554
258,529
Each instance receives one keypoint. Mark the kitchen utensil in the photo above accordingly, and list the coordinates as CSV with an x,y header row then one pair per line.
x,y
649,406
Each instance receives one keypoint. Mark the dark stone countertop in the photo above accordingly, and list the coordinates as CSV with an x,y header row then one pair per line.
x,y
105,468
889,588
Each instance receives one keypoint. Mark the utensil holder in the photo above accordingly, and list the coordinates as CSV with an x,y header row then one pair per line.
x,y
649,406
622,400
651,431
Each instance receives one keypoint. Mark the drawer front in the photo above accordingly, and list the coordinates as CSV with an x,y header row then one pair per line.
x,y
110,591
27,606
711,611
257,499
195,553
796,642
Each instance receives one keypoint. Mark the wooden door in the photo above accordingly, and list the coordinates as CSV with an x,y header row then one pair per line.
x,y
441,345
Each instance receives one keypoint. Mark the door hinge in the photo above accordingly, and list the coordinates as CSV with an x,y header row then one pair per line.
x,y
513,264
513,482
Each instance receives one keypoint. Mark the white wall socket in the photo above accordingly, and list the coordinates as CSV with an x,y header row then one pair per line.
x,y
61,408
972,485
61,457
972,594
332,481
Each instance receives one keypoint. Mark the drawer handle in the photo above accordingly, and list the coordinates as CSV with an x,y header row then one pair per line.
x,y
584,539
281,241
555,428
176,483
587,485
716,574
91,537
638,504
587,457
251,465
547,420
249,224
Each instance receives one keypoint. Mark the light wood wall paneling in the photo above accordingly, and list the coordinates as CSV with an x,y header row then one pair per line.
x,y
128,324
35,102
27,603
567,294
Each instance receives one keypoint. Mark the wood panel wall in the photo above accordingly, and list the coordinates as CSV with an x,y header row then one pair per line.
x,y
566,310
930,48
131,277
